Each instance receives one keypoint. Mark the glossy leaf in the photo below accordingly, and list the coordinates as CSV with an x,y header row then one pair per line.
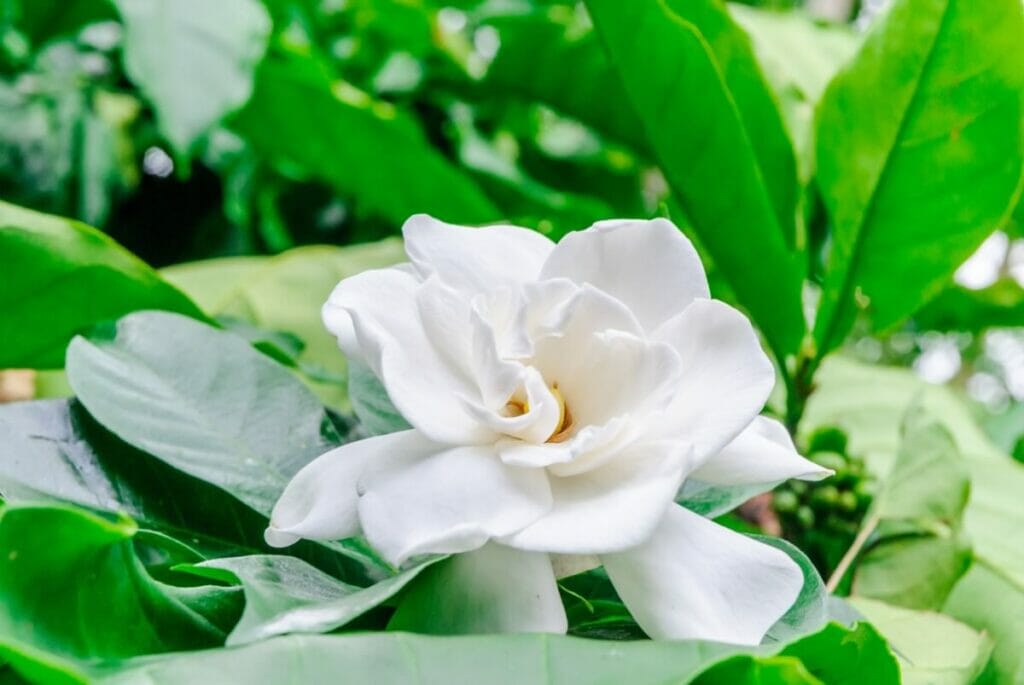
x,y
914,181
839,655
216,47
203,401
285,293
97,600
61,277
286,595
366,149
53,450
678,87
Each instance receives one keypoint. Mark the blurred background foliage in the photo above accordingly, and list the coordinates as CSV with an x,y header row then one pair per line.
x,y
192,129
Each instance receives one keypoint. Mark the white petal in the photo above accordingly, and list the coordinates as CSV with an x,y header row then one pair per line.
x,y
535,425
475,260
452,501
726,376
379,313
762,453
320,501
494,589
607,374
695,579
610,508
648,265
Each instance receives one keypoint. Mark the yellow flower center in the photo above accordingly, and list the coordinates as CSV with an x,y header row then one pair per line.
x,y
518,406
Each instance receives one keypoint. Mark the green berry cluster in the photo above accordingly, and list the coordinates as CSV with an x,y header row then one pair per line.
x,y
823,518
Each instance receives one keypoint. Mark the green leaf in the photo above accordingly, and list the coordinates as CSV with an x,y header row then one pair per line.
x,y
301,117
74,590
914,570
531,65
934,648
287,595
810,611
686,98
915,181
714,500
370,401
285,293
960,309
43,20
215,46
203,401
834,655
61,277
990,602
868,403
53,450
839,655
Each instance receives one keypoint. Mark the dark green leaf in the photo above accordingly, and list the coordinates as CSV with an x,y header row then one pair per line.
x,y
60,277
215,47
961,309
302,117
914,181
53,450
676,84
74,590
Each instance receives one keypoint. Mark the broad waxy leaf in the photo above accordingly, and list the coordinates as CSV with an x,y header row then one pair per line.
x,y
216,47
203,401
74,590
361,146
59,277
53,450
936,650
285,293
915,180
286,595
497,660
680,89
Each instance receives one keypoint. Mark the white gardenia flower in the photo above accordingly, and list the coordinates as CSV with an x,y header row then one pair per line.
x,y
559,395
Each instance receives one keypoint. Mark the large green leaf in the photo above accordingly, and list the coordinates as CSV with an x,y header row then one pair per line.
x,y
990,602
73,590
287,595
203,401
301,117
60,277
682,91
194,59
868,403
285,293
935,649
53,450
960,309
496,660
915,180
531,64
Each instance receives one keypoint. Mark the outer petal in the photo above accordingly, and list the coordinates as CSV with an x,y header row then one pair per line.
x,y
726,376
475,260
648,265
762,453
610,508
449,502
694,579
494,589
320,501
424,385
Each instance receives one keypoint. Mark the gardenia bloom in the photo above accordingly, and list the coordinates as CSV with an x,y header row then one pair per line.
x,y
559,395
